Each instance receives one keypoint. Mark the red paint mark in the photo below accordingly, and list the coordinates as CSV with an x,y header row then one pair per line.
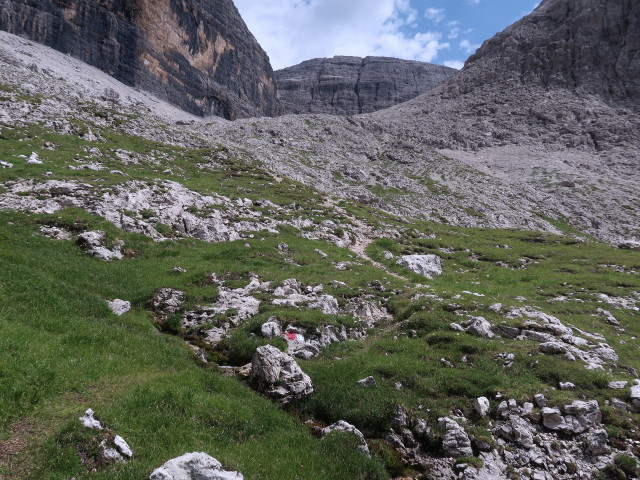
x,y
291,336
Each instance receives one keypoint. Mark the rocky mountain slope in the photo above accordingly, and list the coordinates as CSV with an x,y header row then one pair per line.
x,y
198,55
566,75
309,296
352,85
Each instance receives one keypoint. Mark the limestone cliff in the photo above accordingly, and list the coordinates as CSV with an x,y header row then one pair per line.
x,y
197,54
568,74
352,85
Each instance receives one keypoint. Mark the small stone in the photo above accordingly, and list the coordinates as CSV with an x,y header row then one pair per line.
x,y
283,247
122,446
271,329
89,421
34,159
119,307
541,400
321,253
618,385
567,386
6,164
482,406
480,327
368,382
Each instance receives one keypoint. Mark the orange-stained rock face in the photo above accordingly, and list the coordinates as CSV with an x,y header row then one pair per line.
x,y
197,54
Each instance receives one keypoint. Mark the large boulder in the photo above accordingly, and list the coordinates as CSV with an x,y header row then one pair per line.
x,y
278,376
194,466
428,266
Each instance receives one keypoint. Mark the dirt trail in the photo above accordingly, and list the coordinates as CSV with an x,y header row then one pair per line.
x,y
364,236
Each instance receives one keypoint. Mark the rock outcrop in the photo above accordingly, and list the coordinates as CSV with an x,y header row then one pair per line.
x,y
196,54
350,85
568,75
428,266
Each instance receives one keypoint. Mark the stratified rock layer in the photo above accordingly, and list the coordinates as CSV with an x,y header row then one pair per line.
x,y
351,85
198,55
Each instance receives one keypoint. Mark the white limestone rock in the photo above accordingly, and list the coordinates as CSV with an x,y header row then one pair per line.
x,y
479,327
482,406
93,243
89,421
194,466
56,233
278,376
456,442
119,307
122,446
34,159
428,266
635,392
618,385
567,386
596,442
368,382
271,329
342,426
167,301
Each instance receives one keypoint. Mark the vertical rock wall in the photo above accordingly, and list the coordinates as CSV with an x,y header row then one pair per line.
x,y
197,54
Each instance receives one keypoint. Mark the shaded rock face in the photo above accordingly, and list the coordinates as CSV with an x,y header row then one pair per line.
x,y
591,45
198,55
568,75
351,85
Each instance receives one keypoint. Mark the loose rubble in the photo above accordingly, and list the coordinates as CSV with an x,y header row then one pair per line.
x,y
114,447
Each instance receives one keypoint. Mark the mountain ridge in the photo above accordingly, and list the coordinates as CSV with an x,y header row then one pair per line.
x,y
346,85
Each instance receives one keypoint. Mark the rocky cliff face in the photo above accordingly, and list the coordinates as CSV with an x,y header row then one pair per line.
x,y
198,55
568,74
588,45
352,85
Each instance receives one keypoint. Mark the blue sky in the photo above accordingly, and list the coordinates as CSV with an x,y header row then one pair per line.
x,y
438,31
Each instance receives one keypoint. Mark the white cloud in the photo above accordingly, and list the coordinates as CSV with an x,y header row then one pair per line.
x,y
468,47
295,30
435,14
457,64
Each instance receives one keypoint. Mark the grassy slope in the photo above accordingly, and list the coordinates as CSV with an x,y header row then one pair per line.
x,y
62,351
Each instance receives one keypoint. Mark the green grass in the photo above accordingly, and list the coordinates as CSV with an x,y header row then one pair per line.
x,y
62,351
